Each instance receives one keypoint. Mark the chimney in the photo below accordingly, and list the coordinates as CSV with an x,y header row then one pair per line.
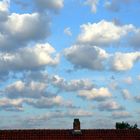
x,y
76,127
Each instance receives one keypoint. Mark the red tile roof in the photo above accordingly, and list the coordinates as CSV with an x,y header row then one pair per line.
x,y
91,134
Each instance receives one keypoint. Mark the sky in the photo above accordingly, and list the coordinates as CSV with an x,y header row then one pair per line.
x,y
66,59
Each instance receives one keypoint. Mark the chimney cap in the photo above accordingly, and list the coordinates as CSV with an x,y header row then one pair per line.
x,y
76,120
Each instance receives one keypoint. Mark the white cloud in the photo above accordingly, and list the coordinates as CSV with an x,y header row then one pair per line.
x,y
124,61
126,94
84,56
79,113
72,85
115,5
135,40
11,105
41,102
67,31
62,114
4,10
128,80
93,4
95,58
49,102
110,106
21,89
114,85
100,94
59,82
52,5
121,114
103,33
112,6
36,120
34,94
20,29
137,98
40,76
4,5
28,58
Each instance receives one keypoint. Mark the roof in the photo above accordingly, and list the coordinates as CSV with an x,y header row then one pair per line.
x,y
87,134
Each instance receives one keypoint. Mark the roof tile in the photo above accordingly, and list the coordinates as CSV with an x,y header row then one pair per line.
x,y
87,134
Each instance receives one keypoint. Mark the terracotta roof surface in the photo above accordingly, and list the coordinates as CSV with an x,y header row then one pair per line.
x,y
91,134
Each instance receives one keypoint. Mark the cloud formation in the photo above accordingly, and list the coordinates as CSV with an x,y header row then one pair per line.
x,y
135,40
4,10
85,56
62,114
103,33
67,31
95,58
124,61
100,94
93,4
126,94
72,85
115,5
11,104
110,106
121,115
46,5
49,102
18,30
20,89
137,98
28,58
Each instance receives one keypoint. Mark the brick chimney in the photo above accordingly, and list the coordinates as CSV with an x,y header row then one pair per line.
x,y
76,127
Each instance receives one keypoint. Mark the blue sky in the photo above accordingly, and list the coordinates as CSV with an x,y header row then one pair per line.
x,y
65,59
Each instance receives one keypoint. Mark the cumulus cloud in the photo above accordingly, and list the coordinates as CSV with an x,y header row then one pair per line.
x,y
128,80
100,94
37,120
49,102
126,94
67,31
21,89
135,40
58,82
72,85
33,93
84,56
4,10
137,98
28,58
115,5
39,76
11,104
121,115
112,6
4,5
124,61
62,114
93,4
110,106
20,29
46,5
95,58
103,33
